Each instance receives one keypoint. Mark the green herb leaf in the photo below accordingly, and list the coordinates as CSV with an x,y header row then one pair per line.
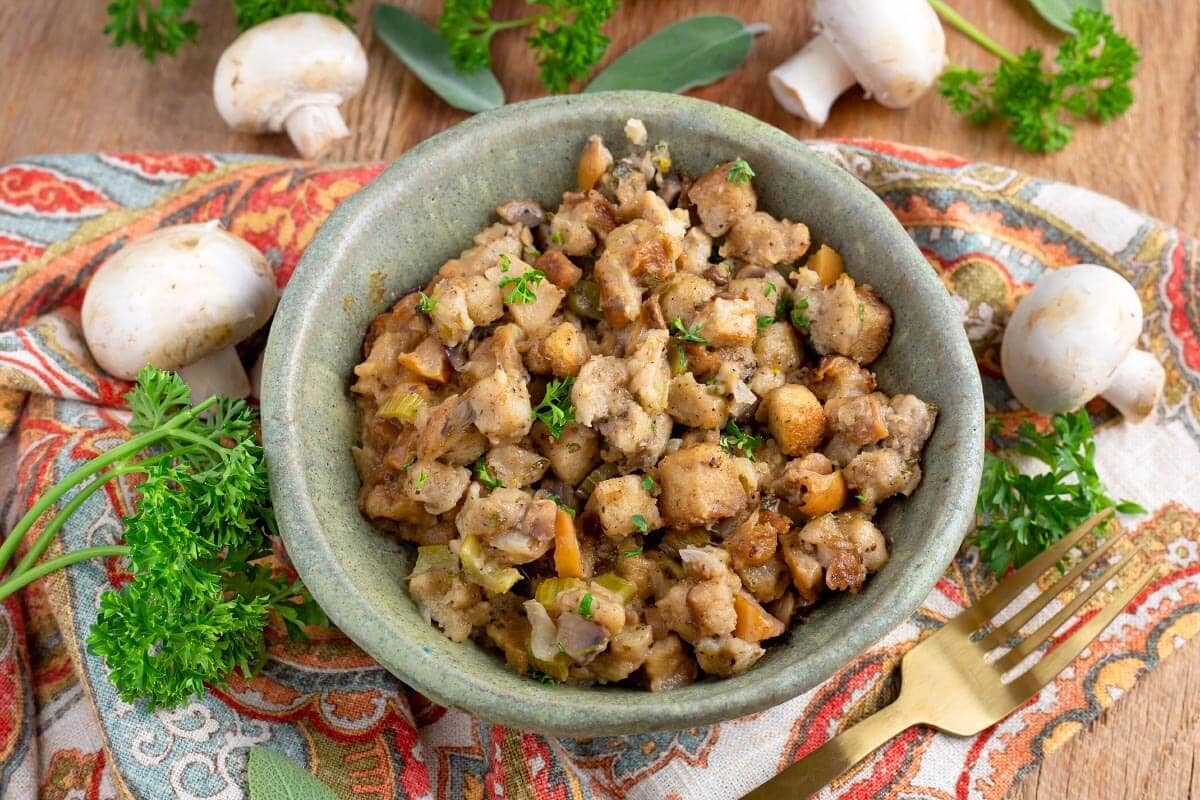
x,y
1058,12
540,677
648,484
634,553
742,441
558,501
485,478
765,322
739,172
1021,515
271,776
639,522
691,52
585,606
685,334
154,26
556,409
523,287
425,53
769,289
422,479
426,304
253,12
1095,68
565,36
797,315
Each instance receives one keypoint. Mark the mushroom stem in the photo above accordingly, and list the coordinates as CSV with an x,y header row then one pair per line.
x,y
1136,385
220,373
313,127
808,82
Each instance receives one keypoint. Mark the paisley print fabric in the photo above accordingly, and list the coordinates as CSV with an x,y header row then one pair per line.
x,y
987,230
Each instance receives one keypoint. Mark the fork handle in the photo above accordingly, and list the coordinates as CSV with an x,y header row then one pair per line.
x,y
809,775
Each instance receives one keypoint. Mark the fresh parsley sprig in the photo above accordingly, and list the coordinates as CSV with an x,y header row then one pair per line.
x,y
1095,67
736,439
556,408
197,544
523,291
1021,515
564,36
686,334
162,26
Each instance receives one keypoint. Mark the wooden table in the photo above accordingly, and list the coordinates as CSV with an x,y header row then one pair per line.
x,y
64,89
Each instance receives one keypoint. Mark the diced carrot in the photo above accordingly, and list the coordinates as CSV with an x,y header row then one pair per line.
x,y
567,560
827,263
754,624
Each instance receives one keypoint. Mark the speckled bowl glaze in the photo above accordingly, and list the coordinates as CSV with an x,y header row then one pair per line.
x,y
390,238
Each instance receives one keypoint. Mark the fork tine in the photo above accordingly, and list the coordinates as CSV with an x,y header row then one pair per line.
x,y
986,607
1036,639
1056,660
1013,625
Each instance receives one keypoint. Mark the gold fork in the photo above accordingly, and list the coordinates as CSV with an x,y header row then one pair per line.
x,y
945,681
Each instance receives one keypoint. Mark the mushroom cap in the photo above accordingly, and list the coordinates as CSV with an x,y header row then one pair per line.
x,y
286,63
175,296
896,48
1067,337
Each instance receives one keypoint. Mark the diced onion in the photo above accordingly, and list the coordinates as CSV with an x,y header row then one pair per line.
x,y
543,636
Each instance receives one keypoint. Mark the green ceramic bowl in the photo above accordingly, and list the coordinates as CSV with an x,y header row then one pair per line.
x,y
391,237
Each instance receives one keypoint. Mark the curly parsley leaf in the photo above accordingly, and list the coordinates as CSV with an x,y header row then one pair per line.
x,y
739,172
736,439
154,26
686,334
198,545
523,291
1021,515
253,12
1095,66
564,36
485,477
556,409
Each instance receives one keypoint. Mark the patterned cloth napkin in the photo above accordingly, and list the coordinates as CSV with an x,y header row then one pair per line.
x,y
987,230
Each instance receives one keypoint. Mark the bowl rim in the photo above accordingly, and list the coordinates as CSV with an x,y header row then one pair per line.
x,y
363,622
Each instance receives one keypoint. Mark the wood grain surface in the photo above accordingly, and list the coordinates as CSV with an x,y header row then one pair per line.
x,y
64,89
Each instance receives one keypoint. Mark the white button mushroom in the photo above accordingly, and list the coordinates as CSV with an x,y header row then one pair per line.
x,y
291,72
895,48
180,299
1072,338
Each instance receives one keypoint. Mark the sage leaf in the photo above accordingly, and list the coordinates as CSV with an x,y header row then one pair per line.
x,y
692,52
273,777
424,52
1058,12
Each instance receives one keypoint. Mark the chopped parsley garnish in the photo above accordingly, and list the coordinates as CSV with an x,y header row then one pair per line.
x,y
862,311
426,304
648,483
765,322
737,439
634,553
505,263
685,334
411,461
585,606
556,408
739,172
489,482
557,237
523,293
799,318
541,677
860,498
422,479
640,523
769,289
558,501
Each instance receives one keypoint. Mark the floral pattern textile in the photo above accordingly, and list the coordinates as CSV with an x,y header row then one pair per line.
x,y
989,232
